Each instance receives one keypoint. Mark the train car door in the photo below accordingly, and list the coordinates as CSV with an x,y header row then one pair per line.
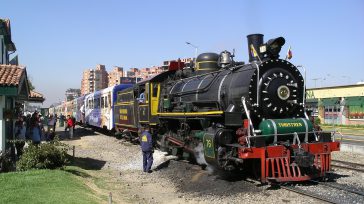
x,y
154,102
143,100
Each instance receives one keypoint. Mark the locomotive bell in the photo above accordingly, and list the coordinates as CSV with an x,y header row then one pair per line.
x,y
225,58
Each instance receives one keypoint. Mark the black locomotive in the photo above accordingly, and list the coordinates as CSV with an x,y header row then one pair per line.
x,y
236,113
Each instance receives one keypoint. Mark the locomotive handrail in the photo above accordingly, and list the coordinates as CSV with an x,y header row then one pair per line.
x,y
258,87
296,138
248,115
304,91
341,135
292,133
282,134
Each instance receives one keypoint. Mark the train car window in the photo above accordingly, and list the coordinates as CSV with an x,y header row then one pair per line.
x,y
120,97
97,103
155,90
102,102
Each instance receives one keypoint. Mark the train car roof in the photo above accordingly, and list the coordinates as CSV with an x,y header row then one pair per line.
x,y
157,77
120,87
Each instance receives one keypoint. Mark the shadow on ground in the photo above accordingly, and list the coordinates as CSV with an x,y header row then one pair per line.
x,y
77,134
77,173
87,163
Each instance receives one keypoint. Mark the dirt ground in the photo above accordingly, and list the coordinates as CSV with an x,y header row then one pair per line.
x,y
114,167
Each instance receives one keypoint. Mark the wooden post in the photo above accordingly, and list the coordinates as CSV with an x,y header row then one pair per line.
x,y
73,150
110,198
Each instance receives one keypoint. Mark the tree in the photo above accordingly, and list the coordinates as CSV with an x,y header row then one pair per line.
x,y
31,87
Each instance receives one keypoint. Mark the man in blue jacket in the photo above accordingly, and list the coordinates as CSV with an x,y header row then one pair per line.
x,y
147,148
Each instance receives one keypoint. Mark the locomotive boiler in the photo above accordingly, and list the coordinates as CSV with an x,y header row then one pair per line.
x,y
243,114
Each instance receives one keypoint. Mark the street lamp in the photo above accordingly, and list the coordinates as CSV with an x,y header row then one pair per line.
x,y
194,46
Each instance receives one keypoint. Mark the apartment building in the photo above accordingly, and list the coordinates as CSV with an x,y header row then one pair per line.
x,y
94,79
115,75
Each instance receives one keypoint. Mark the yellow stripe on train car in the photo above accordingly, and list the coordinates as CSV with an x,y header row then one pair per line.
x,y
191,113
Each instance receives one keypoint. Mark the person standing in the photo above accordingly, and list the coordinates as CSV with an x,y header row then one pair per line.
x,y
70,126
50,127
55,122
20,130
146,144
36,132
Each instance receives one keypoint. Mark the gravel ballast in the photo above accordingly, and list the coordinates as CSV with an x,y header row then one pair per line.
x,y
180,181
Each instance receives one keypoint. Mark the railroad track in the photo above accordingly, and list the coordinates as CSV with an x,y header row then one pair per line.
x,y
307,193
333,194
347,165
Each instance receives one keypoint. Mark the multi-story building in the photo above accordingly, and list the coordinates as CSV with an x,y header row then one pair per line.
x,y
72,94
133,72
187,62
94,79
115,75
147,72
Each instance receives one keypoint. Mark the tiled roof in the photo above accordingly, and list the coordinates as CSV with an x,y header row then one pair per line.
x,y
34,94
36,97
10,75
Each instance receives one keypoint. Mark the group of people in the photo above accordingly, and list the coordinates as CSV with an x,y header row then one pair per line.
x,y
28,127
31,127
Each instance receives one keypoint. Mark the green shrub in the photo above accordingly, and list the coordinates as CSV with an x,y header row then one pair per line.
x,y
6,164
43,156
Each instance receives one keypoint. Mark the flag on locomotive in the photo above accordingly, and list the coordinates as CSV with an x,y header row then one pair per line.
x,y
289,53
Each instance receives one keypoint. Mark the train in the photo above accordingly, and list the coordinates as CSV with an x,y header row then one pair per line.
x,y
245,117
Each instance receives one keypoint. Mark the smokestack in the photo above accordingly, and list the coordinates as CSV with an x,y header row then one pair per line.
x,y
257,41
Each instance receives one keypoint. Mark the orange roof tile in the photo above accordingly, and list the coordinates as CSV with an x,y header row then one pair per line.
x,y
34,94
10,75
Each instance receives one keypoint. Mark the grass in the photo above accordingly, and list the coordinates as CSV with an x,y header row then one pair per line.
x,y
45,186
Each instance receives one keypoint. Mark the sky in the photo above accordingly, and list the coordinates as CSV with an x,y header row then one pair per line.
x,y
57,40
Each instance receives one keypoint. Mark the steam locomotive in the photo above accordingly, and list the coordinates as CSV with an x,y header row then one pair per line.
x,y
243,116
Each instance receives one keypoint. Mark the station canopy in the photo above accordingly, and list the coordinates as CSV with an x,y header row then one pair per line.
x,y
354,101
